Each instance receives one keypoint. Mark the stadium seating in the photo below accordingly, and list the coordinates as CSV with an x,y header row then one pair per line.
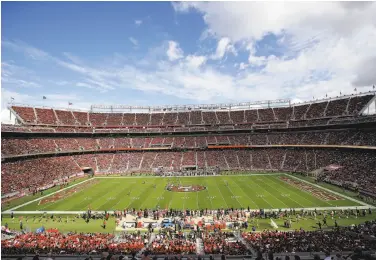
x,y
266,115
289,140
269,159
329,108
19,146
35,173
114,119
223,243
45,116
82,118
28,114
179,244
345,239
65,117
72,243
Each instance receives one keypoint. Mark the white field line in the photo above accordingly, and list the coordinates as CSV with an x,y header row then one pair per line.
x,y
162,196
205,176
138,196
365,205
109,194
148,195
56,201
221,193
228,187
269,193
207,192
252,210
272,194
121,193
246,194
292,191
40,198
334,192
197,200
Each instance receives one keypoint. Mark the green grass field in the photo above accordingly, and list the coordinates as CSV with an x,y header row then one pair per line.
x,y
254,191
95,225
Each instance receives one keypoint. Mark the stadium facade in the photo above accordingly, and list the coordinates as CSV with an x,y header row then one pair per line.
x,y
332,139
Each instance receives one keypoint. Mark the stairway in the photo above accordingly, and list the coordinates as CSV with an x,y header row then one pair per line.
x,y
241,239
152,237
199,247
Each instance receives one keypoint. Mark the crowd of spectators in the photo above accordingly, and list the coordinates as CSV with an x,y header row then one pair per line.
x,y
173,243
19,146
328,108
45,116
337,240
357,165
72,243
223,243
33,174
169,242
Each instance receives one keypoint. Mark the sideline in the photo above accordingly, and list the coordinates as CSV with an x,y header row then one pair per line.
x,y
252,210
40,198
334,192
365,205
225,175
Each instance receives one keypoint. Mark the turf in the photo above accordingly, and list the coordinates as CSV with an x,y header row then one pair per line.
x,y
254,191
19,201
95,225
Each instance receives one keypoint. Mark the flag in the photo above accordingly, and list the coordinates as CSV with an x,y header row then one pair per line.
x,y
373,86
340,93
326,95
70,103
12,98
354,89
44,97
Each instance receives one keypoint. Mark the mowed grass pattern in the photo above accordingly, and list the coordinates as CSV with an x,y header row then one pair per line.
x,y
254,191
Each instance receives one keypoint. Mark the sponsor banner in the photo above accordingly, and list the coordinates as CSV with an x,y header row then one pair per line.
x,y
333,167
367,193
153,224
9,195
129,225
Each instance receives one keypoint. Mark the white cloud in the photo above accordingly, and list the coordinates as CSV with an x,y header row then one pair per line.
x,y
243,66
18,76
195,62
174,52
133,41
223,46
138,22
324,51
29,51
73,58
56,100
252,20
328,46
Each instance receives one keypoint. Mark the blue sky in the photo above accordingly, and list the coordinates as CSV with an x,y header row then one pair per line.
x,y
155,53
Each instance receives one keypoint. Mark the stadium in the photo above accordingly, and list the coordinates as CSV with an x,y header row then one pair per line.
x,y
188,130
204,167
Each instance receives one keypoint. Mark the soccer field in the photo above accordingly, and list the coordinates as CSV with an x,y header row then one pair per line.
x,y
264,191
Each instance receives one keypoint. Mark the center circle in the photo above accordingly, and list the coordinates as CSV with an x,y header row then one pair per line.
x,y
185,188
